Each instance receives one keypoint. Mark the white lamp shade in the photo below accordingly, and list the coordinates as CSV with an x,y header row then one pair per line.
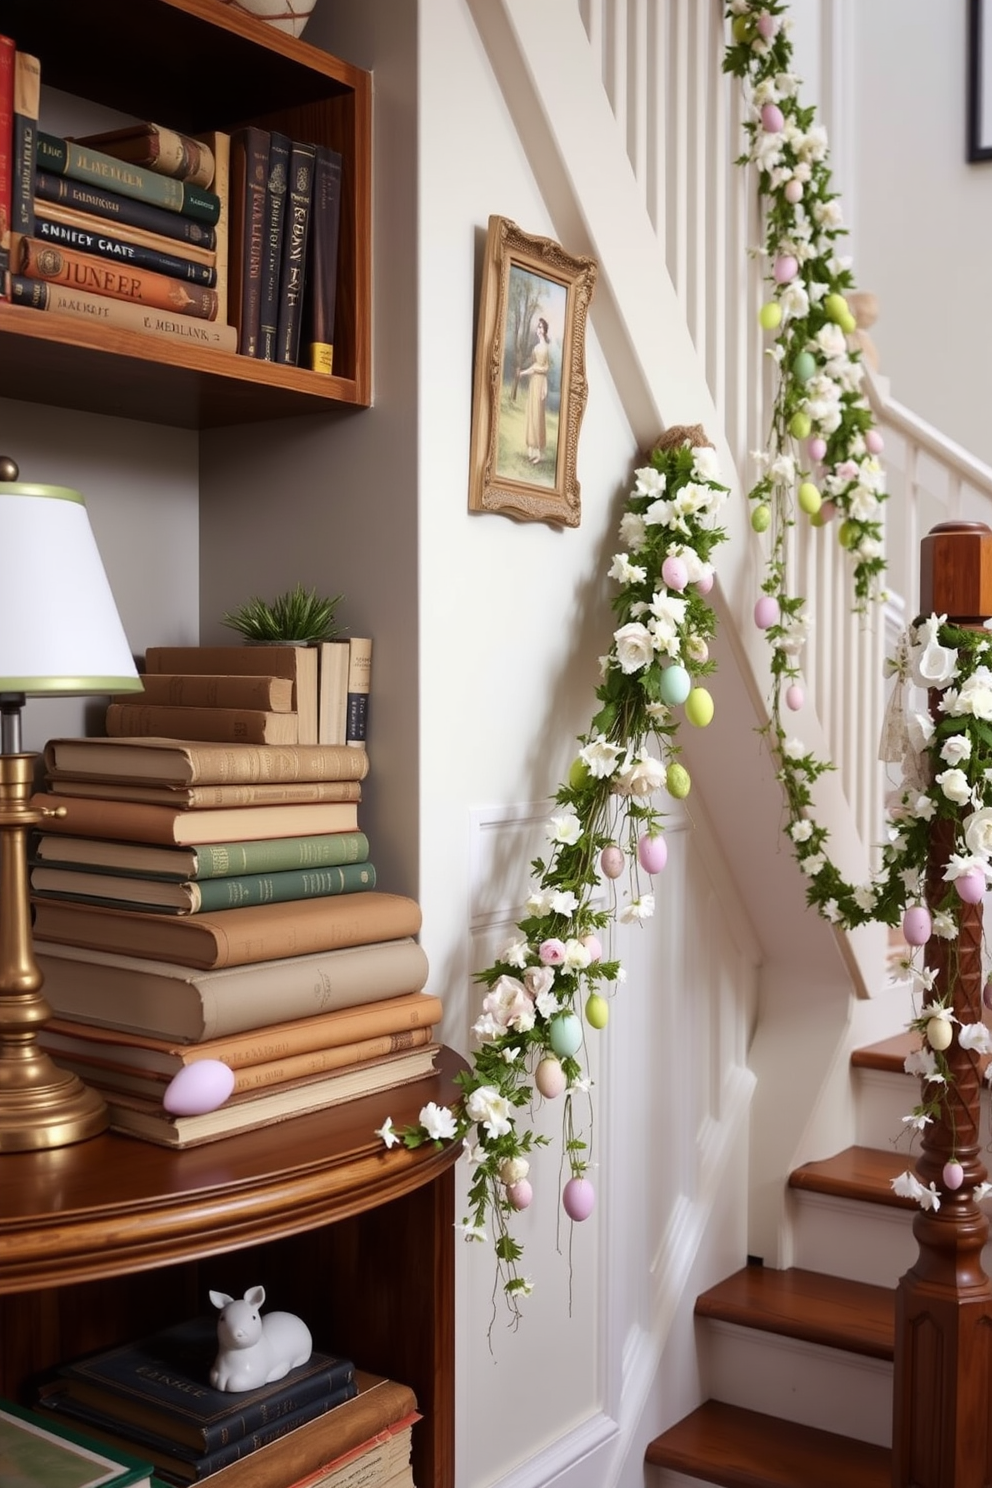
x,y
59,627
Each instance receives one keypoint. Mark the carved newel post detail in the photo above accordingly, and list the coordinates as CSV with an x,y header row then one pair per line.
x,y
942,1403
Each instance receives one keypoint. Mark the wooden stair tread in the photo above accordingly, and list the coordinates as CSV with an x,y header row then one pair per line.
x,y
863,1173
742,1449
827,1310
887,1054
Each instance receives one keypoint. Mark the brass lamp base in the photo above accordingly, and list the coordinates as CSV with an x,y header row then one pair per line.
x,y
41,1106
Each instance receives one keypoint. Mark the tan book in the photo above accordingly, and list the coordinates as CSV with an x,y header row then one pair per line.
x,y
220,145
359,688
231,937
381,1462
298,662
133,821
215,725
211,690
200,797
167,151
90,222
177,762
178,1002
31,296
332,692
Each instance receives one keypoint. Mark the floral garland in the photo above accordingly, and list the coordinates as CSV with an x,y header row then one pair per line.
x,y
553,982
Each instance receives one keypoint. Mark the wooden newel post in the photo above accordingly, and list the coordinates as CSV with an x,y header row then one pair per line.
x,y
942,1398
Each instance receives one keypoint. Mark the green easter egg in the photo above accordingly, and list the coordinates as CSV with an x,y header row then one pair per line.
x,y
761,518
597,1010
846,534
770,315
741,29
578,774
565,1035
835,307
810,499
804,366
800,424
699,707
677,781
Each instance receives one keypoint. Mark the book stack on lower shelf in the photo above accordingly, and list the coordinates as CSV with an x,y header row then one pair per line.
x,y
36,1452
174,938
323,1423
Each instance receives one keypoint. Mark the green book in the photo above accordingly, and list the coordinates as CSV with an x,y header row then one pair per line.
x,y
131,891
205,859
65,158
36,1452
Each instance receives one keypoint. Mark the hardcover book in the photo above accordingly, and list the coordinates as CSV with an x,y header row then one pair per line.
x,y
135,892
359,688
83,240
27,100
296,236
132,821
213,724
61,157
202,860
206,796
167,151
249,173
7,55
210,690
49,211
275,216
86,196
38,294
332,692
322,266
36,1452
175,762
298,662
35,259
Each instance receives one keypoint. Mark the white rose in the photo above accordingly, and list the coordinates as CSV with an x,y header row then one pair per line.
x,y
978,832
932,664
490,1109
634,646
642,777
955,749
954,784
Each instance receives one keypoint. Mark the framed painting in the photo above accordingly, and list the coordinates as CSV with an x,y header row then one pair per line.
x,y
530,379
979,91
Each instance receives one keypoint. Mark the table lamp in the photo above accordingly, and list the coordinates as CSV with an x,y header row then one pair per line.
x,y
60,635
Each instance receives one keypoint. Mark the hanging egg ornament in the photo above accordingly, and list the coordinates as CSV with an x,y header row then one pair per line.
x,y
565,1034
770,315
835,307
809,498
793,191
612,860
804,365
674,685
794,697
578,1198
677,781
939,1034
578,774
772,119
846,533
520,1194
597,1010
766,612
874,443
549,1077
675,573
761,517
767,25
741,28
953,1174
652,852
699,707
817,447
826,514
593,945
198,1088
970,886
917,925
848,324
704,584
800,424
987,994
785,268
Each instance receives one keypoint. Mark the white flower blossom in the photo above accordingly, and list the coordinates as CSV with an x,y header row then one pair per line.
x,y
918,1120
945,926
472,1231
488,1108
564,902
975,1036
386,1132
438,1122
626,572
600,757
801,831
515,953
978,833
566,829
639,909
635,646
640,776
955,786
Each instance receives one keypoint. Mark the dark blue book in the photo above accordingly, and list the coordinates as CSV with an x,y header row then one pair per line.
x,y
83,196
275,213
295,239
160,1384
104,245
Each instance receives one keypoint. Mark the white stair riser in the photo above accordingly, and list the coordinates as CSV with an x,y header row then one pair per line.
x,y
883,1099
663,1477
862,1242
797,1381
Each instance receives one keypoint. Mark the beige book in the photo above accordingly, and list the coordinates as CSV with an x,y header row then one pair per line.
x,y
133,821
215,725
175,762
332,692
298,662
211,690
203,797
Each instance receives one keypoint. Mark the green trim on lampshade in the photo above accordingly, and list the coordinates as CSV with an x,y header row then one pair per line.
x,y
52,493
82,686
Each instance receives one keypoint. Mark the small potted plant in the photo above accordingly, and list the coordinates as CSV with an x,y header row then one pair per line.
x,y
300,617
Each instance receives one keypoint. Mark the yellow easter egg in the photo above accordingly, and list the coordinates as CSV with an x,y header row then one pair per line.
x,y
699,707
836,308
810,499
846,534
800,424
761,517
597,1010
770,315
677,781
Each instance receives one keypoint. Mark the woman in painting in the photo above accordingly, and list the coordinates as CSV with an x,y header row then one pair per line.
x,y
535,434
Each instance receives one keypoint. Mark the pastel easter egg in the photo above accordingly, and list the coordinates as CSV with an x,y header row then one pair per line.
x,y
705,584
987,994
794,697
847,533
593,945
597,1010
800,423
565,1034
612,860
198,1088
810,499
766,612
953,1174
578,774
817,448
741,28
917,925
520,1194
835,307
785,268
652,852
826,514
772,119
793,191
675,573
770,315
804,365
939,1033
699,708
578,1198
847,323
970,886
549,1077
874,443
674,685
761,517
677,781
767,25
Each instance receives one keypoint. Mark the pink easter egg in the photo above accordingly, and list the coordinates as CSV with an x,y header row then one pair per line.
x,y
705,584
652,852
917,925
578,1198
767,25
549,1077
970,886
953,1174
874,442
766,612
827,512
793,191
520,1194
817,448
785,268
987,994
772,119
612,860
593,945
794,697
675,573
198,1088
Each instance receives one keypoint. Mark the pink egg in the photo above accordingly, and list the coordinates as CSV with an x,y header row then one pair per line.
x,y
767,25
970,886
675,573
199,1087
593,945
549,1077
793,191
772,119
953,1174
874,442
785,268
817,448
612,861
827,512
917,925
705,584
652,852
766,612
794,697
578,1198
987,994
520,1194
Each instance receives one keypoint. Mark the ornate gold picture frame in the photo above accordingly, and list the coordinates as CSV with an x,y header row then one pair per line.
x,y
530,378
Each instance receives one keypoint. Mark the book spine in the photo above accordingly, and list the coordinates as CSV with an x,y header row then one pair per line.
x,y
322,273
27,100
359,684
165,151
66,158
275,216
90,222
273,888
193,763
220,146
249,172
352,1029
121,314
82,196
198,797
220,725
212,690
8,51
294,251
104,246
280,854
36,260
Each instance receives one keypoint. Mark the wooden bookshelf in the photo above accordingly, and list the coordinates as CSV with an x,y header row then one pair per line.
x,y
108,1239
196,65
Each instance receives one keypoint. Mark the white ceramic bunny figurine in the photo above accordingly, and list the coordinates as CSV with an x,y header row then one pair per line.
x,y
256,1350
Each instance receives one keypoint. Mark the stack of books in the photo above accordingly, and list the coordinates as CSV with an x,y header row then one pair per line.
x,y
152,1398
199,902
36,1452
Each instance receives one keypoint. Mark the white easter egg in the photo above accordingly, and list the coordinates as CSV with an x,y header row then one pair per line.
x,y
549,1077
939,1033
199,1087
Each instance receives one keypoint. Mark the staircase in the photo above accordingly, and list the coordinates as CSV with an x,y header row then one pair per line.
x,y
797,1363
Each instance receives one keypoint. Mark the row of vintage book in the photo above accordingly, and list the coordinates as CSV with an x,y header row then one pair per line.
x,y
227,240
143,1414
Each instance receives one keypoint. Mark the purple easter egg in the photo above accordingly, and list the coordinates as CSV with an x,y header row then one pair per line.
x,y
612,860
772,119
793,191
198,1088
578,1198
675,573
593,945
785,268
874,442
652,852
794,697
705,584
970,886
766,612
817,448
917,925
520,1194
953,1174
